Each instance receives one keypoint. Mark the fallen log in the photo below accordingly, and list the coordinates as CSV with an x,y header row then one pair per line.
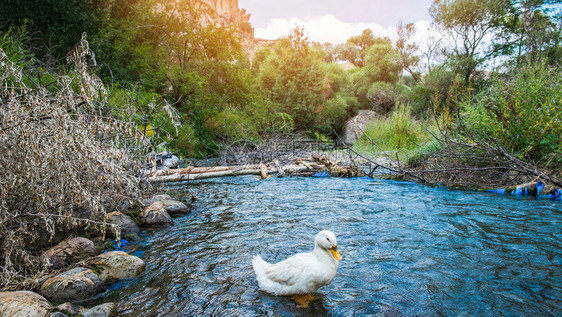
x,y
300,167
191,170
180,175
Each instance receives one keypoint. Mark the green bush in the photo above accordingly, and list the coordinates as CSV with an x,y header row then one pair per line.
x,y
523,114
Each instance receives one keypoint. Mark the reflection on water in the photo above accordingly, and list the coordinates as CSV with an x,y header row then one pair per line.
x,y
407,250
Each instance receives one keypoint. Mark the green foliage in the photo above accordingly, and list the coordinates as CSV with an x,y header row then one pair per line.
x,y
200,69
292,76
523,114
13,43
355,49
185,142
382,64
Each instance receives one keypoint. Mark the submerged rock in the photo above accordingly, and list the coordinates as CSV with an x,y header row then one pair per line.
x,y
74,285
23,304
125,223
69,251
70,309
116,265
156,215
104,310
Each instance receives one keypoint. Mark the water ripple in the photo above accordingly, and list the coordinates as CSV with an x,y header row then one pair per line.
x,y
407,250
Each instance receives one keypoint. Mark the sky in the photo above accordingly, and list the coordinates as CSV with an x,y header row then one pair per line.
x,y
335,21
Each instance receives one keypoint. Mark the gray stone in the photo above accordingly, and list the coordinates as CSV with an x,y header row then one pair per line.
x,y
74,285
104,310
155,198
174,207
156,215
23,304
116,265
171,162
57,314
355,126
69,251
125,223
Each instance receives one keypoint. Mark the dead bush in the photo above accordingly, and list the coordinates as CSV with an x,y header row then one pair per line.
x,y
65,158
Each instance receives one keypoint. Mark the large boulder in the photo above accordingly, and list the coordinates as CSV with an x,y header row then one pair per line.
x,y
23,304
69,251
103,310
156,215
355,126
124,222
116,265
74,285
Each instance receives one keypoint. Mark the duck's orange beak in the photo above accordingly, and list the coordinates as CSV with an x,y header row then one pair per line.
x,y
335,252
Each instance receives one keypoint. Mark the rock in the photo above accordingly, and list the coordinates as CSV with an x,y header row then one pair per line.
x,y
171,162
23,304
70,309
355,126
174,207
116,265
69,251
166,161
74,285
57,314
104,310
156,215
155,198
124,222
131,237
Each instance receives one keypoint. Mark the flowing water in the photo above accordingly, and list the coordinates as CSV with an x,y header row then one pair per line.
x,y
408,250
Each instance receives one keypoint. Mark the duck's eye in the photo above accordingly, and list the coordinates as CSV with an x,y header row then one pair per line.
x,y
327,238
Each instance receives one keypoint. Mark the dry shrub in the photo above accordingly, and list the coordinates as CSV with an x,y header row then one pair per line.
x,y
64,160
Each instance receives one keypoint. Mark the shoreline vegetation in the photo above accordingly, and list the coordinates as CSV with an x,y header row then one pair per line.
x,y
81,125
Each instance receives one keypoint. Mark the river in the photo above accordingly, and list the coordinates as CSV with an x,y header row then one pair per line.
x,y
407,250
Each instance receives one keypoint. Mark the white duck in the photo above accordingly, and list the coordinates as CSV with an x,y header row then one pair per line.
x,y
302,273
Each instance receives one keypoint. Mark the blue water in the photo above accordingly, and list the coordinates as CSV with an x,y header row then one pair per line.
x,y
407,250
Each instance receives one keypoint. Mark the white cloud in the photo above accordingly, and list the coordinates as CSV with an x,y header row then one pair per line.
x,y
329,29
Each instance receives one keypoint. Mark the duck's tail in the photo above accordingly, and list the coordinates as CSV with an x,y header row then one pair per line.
x,y
260,267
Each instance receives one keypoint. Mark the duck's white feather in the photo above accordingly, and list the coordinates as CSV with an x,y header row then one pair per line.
x,y
302,273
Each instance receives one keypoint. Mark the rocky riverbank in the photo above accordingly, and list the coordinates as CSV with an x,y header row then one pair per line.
x,y
79,271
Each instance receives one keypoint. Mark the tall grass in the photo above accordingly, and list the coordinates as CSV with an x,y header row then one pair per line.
x,y
397,132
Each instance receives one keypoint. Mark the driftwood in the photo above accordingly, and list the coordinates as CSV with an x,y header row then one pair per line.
x,y
179,176
301,167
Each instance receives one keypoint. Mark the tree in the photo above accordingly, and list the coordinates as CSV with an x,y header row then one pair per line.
x,y
403,44
468,23
532,31
55,26
382,64
292,77
199,67
356,48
